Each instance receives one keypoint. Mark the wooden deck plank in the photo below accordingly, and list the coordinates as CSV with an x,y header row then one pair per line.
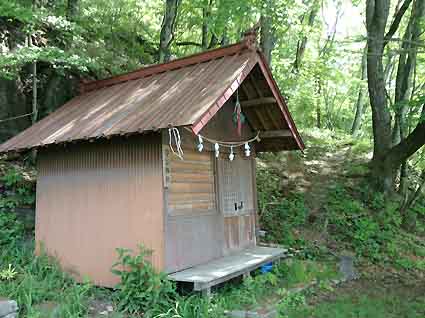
x,y
220,270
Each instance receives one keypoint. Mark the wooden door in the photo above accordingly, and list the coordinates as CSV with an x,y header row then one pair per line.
x,y
236,198
193,221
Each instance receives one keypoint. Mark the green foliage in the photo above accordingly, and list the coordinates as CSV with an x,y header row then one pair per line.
x,y
142,290
350,222
364,306
11,229
195,306
8,273
296,271
279,216
38,279
290,303
17,192
281,219
367,223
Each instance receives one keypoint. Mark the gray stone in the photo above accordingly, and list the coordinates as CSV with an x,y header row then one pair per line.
x,y
8,308
346,268
251,314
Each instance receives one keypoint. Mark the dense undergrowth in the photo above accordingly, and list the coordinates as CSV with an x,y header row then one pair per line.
x,y
344,213
321,213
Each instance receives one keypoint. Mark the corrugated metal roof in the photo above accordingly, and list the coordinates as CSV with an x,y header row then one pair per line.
x,y
183,92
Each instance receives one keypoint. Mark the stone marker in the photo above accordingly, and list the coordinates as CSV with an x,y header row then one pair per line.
x,y
346,268
8,309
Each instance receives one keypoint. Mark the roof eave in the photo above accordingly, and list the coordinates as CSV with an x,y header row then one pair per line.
x,y
280,100
260,59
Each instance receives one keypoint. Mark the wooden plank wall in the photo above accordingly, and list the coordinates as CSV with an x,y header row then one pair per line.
x,y
239,232
194,226
191,183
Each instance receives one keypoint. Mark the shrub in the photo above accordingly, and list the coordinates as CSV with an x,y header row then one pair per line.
x,y
16,192
39,279
290,302
281,218
142,290
11,229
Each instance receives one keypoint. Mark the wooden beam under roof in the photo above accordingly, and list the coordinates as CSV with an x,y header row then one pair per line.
x,y
275,133
258,101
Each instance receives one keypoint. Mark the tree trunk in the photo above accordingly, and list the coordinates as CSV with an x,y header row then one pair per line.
x,y
72,9
414,197
318,99
360,97
302,44
167,29
377,12
268,40
407,147
206,13
404,82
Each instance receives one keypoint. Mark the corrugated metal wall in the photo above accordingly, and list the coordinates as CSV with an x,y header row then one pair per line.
x,y
95,197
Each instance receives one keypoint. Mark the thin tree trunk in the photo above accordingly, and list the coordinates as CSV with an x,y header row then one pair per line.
x,y
34,84
360,97
302,44
206,11
404,82
318,102
267,41
415,196
167,29
34,92
72,9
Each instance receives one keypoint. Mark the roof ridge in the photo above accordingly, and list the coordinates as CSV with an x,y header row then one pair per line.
x,y
248,42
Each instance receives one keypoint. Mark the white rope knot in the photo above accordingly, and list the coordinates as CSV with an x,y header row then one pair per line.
x,y
173,133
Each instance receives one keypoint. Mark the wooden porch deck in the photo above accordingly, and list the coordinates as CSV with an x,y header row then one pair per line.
x,y
223,269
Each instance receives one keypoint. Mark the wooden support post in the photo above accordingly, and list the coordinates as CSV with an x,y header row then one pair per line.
x,y
258,102
207,292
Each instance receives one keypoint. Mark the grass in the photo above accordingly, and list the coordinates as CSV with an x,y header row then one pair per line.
x,y
39,280
265,290
362,307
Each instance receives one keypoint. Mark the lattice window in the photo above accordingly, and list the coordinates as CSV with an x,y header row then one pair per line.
x,y
236,193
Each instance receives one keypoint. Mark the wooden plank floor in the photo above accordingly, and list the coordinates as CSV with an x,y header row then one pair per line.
x,y
220,270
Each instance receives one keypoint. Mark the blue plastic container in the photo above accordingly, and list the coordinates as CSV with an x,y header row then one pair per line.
x,y
266,268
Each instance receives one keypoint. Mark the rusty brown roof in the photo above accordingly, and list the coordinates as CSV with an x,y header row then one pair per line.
x,y
183,92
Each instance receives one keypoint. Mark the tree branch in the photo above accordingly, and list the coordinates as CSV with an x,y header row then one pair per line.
x,y
188,43
396,22
407,147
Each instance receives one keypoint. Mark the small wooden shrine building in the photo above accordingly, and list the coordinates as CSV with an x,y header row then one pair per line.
x,y
164,157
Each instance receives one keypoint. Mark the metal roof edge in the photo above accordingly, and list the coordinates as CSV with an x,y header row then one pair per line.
x,y
216,106
201,57
280,99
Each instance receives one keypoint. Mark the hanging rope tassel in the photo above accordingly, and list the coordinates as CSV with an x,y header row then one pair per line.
x,y
173,133
237,114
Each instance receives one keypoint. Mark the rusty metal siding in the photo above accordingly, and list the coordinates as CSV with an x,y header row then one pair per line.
x,y
95,197
176,97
